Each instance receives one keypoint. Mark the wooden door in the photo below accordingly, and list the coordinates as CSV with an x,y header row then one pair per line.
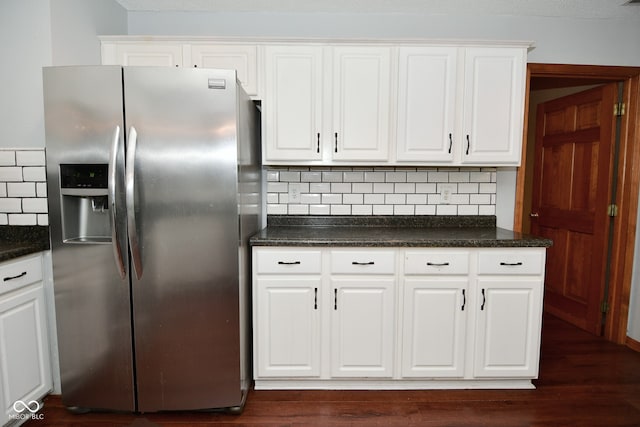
x,y
571,192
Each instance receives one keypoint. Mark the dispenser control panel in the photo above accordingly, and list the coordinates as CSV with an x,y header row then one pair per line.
x,y
84,175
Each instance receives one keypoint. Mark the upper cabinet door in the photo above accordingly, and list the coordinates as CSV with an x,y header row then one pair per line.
x,y
427,84
144,54
292,109
361,103
242,58
493,106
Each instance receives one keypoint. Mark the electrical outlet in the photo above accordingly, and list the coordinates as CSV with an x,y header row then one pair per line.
x,y
294,192
446,191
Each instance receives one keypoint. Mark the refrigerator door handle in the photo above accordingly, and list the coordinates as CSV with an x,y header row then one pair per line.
x,y
130,196
115,235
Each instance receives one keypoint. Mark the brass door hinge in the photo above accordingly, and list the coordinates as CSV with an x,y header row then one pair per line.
x,y
619,109
604,307
612,210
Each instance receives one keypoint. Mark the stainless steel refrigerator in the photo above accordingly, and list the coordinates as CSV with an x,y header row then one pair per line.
x,y
154,188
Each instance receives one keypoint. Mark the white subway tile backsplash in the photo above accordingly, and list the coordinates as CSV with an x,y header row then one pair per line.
x,y
34,173
383,209
33,205
319,210
320,187
361,210
7,158
23,219
287,176
382,187
353,176
30,158
11,174
382,191
10,205
340,209
23,187
362,187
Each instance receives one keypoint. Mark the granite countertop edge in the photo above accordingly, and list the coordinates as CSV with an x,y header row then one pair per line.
x,y
22,240
435,231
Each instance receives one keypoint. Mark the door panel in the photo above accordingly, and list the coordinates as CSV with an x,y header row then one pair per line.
x,y
83,107
571,191
186,304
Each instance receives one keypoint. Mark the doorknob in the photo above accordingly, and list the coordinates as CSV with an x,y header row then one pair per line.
x,y
534,215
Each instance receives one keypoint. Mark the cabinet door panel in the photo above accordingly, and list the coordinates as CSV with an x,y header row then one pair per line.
x,y
434,327
287,327
361,99
24,350
362,325
508,327
293,103
493,106
242,58
152,54
427,104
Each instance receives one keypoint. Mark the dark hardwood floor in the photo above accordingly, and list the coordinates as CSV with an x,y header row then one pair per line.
x,y
584,381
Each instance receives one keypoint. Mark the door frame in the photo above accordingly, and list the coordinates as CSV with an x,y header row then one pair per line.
x,y
628,172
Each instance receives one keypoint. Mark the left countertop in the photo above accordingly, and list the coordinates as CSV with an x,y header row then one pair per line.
x,y
20,240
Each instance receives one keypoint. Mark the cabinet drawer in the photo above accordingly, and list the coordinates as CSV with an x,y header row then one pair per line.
x,y
20,272
288,261
513,261
362,262
436,262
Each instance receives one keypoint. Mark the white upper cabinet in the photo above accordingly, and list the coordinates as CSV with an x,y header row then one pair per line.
x,y
292,112
144,53
410,103
187,53
493,105
361,102
427,82
326,105
460,106
242,58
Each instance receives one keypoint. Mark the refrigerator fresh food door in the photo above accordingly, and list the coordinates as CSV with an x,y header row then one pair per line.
x,y
182,189
85,176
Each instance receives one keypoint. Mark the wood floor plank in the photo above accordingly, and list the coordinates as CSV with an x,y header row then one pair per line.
x,y
584,381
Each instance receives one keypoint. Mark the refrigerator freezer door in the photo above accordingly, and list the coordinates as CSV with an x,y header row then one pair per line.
x,y
186,303
83,109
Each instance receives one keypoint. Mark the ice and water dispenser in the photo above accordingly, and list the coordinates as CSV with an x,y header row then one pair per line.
x,y
85,214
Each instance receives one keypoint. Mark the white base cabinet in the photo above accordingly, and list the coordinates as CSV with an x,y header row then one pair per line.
x,y
396,318
25,369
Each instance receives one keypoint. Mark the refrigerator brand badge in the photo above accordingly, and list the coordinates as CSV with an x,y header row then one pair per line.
x,y
217,84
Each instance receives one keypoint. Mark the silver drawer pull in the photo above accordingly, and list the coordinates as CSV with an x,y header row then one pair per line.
x,y
288,263
363,263
436,264
511,264
6,279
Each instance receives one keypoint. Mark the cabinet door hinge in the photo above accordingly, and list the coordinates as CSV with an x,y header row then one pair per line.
x,y
619,109
612,210
604,307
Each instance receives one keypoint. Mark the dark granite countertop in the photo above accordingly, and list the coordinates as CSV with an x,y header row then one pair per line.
x,y
391,231
20,240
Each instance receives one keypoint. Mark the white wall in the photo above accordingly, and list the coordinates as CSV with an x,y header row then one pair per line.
x,y
75,25
557,40
25,31
39,33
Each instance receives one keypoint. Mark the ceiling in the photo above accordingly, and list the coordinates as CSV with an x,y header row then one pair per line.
x,y
587,9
